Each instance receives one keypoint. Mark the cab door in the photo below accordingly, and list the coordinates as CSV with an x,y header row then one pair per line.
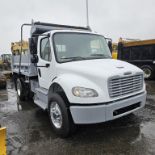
x,y
45,63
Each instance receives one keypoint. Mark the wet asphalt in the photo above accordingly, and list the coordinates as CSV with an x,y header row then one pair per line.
x,y
29,131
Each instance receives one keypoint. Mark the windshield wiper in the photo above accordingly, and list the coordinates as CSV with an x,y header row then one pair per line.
x,y
96,56
74,58
100,55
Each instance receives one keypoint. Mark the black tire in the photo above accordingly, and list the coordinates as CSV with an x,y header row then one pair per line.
x,y
4,86
148,72
20,90
30,95
67,127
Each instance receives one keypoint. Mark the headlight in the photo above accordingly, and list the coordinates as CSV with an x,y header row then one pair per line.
x,y
84,92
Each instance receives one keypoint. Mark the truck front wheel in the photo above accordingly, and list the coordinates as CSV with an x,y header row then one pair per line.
x,y
59,116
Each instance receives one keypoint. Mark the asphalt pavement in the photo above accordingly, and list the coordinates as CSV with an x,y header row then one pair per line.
x,y
29,131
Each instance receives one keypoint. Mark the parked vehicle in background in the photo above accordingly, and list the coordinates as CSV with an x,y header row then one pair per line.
x,y
5,62
16,47
69,72
140,53
114,50
3,80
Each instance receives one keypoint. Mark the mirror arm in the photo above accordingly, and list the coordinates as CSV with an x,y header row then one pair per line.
x,y
46,65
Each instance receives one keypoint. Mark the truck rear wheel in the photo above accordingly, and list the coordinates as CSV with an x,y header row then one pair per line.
x,y
148,72
20,90
59,115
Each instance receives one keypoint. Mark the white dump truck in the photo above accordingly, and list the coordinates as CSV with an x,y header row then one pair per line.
x,y
70,73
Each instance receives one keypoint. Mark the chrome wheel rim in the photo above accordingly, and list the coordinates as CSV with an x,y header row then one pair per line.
x,y
147,72
18,89
56,115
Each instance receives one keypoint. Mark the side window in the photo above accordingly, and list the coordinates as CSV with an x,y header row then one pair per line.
x,y
45,50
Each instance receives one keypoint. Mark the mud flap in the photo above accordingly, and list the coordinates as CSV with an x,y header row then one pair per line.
x,y
2,141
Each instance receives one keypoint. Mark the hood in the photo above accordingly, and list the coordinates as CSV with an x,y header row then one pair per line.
x,y
99,68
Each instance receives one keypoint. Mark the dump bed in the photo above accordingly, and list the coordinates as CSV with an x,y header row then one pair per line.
x,y
26,68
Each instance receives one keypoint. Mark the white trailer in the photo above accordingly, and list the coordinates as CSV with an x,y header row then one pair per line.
x,y
69,72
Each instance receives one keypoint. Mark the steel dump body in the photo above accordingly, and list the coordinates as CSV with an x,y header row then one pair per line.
x,y
26,67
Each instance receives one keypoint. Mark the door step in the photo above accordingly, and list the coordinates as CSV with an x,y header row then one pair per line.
x,y
40,104
42,90
41,97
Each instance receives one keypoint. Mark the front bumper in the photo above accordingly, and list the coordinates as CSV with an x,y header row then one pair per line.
x,y
89,114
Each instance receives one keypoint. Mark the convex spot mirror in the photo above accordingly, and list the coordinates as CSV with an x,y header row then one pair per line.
x,y
110,45
109,41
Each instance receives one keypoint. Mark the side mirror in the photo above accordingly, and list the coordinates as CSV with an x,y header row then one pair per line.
x,y
120,50
110,45
33,45
34,59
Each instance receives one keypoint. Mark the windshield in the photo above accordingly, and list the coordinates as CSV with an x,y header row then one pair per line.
x,y
80,46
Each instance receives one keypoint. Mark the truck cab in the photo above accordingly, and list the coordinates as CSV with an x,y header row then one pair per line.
x,y
70,72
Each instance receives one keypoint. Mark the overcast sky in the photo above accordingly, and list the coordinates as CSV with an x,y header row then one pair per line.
x,y
112,18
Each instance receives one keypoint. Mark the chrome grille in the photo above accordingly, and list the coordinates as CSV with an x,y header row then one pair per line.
x,y
120,86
